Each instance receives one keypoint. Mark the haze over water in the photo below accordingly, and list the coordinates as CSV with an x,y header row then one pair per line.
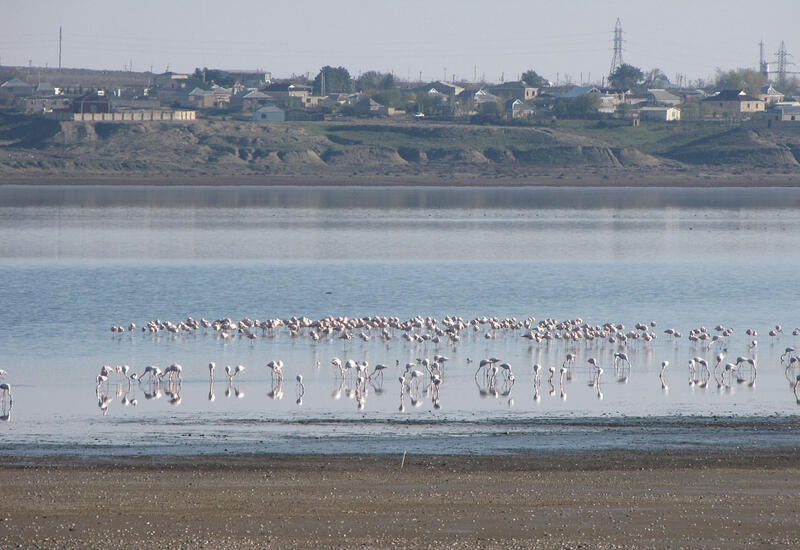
x,y
76,260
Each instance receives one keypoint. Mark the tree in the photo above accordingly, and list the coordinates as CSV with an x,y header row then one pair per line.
x,y
216,76
531,78
337,81
626,77
748,80
373,80
391,98
655,78
583,106
6,97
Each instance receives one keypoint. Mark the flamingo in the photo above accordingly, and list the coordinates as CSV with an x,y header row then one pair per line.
x,y
537,368
5,389
378,369
153,372
301,389
664,365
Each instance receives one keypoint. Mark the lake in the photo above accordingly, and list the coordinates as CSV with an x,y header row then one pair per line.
x,y
76,260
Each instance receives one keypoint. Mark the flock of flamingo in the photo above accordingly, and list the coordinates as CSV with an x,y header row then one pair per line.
x,y
424,377
493,377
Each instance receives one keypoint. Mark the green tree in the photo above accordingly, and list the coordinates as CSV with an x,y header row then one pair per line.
x,y
748,80
583,106
531,78
215,76
337,81
626,77
391,98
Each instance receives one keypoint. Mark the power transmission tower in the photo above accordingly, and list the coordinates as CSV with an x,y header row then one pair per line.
x,y
616,61
783,63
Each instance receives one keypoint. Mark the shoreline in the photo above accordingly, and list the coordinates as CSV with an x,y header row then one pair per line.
x,y
613,500
567,180
532,460
720,438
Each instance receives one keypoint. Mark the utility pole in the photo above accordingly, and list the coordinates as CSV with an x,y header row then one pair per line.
x,y
616,61
59,48
783,63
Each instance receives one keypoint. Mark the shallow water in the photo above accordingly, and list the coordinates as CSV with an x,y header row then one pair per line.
x,y
74,261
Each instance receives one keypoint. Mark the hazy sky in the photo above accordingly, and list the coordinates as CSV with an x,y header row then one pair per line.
x,y
492,38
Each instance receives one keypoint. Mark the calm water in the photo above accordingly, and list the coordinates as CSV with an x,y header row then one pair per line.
x,y
74,261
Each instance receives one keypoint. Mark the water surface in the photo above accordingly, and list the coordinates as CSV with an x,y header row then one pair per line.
x,y
75,260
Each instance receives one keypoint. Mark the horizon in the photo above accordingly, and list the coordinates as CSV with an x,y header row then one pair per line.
x,y
416,41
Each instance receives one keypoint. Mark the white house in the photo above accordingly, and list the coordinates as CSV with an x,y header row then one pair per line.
x,y
661,114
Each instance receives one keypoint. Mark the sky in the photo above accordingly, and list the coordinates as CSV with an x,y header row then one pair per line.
x,y
568,40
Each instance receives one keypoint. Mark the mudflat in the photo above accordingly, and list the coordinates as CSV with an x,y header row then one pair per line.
x,y
620,499
568,179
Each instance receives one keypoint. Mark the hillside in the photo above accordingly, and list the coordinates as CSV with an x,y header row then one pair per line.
x,y
34,147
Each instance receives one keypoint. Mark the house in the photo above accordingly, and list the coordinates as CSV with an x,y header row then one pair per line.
x,y
576,91
435,93
660,114
217,96
41,105
732,103
483,96
788,113
519,110
18,87
658,96
45,89
283,91
93,102
249,101
514,90
445,88
770,95
251,79
172,81
616,95
333,100
269,113
366,106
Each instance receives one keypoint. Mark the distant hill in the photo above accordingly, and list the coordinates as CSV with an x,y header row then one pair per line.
x,y
31,146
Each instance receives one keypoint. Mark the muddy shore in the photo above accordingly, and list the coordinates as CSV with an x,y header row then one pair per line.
x,y
619,499
634,179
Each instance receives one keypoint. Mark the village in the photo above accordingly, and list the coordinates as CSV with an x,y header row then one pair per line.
x,y
253,95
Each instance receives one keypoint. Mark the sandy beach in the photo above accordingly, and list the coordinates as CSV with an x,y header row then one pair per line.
x,y
698,499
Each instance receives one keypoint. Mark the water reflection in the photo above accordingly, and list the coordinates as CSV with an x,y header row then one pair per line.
x,y
421,381
396,197
6,401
